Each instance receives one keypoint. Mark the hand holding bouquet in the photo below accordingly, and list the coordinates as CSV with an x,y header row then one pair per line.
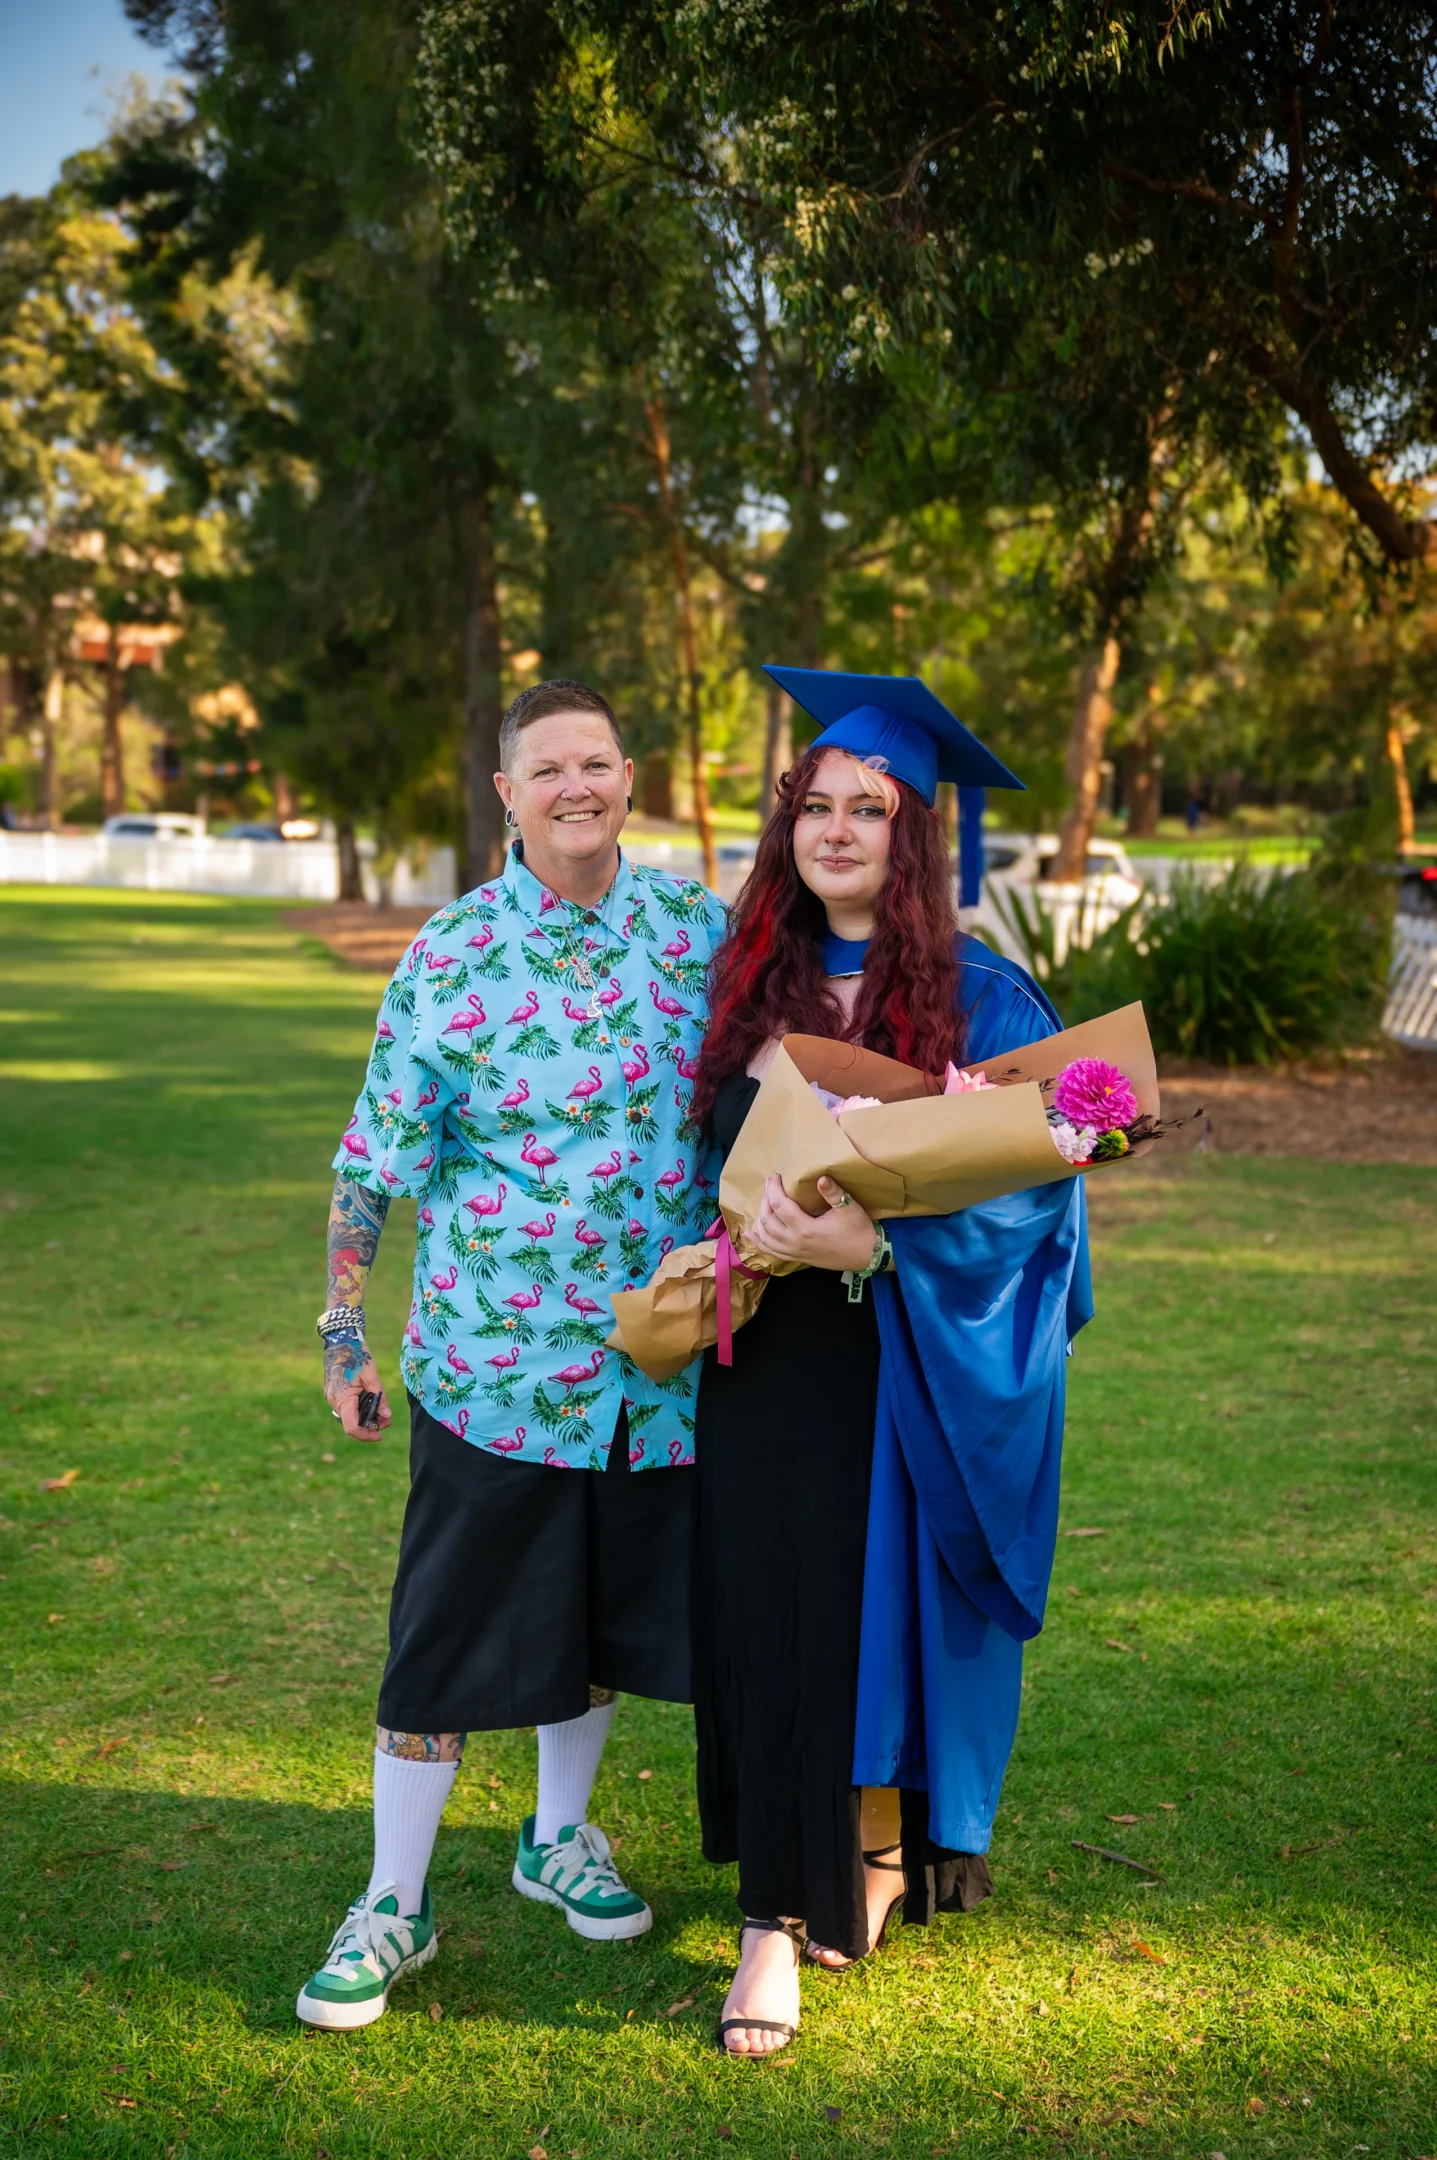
x,y
900,1142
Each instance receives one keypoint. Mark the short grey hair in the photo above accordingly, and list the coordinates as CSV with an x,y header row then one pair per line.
x,y
539,702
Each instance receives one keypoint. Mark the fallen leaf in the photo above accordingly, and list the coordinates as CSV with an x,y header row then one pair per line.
x,y
537,2152
833,2114
1089,1531
108,1747
1125,1818
1052,1875
1146,1950
1169,1807
220,1679
52,1617
685,2002
646,1773
1256,2106
126,1954
724,2131
1114,1644
436,2011
62,1484
172,1867
327,1456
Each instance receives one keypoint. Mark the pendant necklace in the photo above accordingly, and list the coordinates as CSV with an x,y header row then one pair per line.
x,y
579,961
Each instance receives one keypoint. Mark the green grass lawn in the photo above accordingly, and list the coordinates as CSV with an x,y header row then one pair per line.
x,y
1242,1661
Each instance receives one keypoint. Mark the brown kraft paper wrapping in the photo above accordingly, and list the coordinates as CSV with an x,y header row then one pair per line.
x,y
920,1152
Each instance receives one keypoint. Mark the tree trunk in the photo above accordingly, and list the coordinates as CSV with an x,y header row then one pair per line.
x,y
657,786
777,748
483,811
283,798
1145,780
351,884
1092,710
688,638
1402,787
112,752
54,708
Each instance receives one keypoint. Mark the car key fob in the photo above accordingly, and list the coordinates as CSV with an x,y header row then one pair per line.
x,y
369,1410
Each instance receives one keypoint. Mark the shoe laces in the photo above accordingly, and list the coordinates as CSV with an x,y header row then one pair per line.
x,y
357,1939
588,1864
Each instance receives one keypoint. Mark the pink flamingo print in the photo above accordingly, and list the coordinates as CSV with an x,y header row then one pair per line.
x,y
464,1023
547,900
356,1144
636,1068
677,947
583,1235
583,1089
575,1012
536,1230
456,1363
481,1205
677,1458
536,1154
573,1376
396,1096
430,1095
384,1032
517,1096
508,1443
458,1430
628,929
666,1004
412,1335
436,960
611,996
426,1216
485,937
526,1300
666,1246
553,1461
445,1282
426,1162
686,1068
575,1297
635,1228
672,1179
636,1450
609,1167
526,1010
394,1183
416,953
488,895
505,1360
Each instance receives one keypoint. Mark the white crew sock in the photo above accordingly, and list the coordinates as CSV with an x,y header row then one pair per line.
x,y
409,1799
568,1760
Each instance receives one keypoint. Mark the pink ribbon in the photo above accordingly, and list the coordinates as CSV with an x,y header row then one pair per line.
x,y
726,1259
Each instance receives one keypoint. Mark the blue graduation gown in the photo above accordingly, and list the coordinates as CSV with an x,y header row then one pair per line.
x,y
974,1326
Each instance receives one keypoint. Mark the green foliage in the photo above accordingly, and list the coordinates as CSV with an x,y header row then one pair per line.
x,y
1241,969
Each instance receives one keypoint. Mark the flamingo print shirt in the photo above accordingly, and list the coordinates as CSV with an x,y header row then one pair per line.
x,y
543,1129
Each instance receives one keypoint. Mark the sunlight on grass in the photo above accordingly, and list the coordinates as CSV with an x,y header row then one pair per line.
x,y
1235,1688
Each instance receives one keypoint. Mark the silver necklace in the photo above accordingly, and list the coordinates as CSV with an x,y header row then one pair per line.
x,y
578,959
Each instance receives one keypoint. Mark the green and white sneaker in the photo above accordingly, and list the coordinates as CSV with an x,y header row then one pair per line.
x,y
373,1947
577,1872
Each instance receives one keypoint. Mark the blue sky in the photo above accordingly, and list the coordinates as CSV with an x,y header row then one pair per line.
x,y
57,59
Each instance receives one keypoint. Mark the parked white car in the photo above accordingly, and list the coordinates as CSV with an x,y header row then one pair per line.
x,y
153,825
1020,865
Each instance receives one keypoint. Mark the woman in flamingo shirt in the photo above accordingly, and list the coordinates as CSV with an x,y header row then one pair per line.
x,y
530,1089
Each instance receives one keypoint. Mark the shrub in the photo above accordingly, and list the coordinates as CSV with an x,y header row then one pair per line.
x,y
1243,969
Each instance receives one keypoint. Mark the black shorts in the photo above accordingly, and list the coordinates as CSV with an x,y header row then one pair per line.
x,y
520,1587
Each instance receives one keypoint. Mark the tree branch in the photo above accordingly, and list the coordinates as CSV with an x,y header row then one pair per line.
x,y
1197,190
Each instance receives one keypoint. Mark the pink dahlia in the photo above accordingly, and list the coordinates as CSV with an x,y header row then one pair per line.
x,y
1092,1092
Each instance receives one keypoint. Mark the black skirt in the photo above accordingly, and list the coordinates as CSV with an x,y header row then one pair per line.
x,y
520,1587
784,1445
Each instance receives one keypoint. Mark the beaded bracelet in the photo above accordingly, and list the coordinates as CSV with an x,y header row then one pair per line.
x,y
882,1258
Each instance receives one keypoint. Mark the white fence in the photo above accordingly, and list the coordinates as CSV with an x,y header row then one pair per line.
x,y
1411,1015
253,869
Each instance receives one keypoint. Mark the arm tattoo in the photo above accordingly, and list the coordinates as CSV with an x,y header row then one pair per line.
x,y
421,1746
356,1217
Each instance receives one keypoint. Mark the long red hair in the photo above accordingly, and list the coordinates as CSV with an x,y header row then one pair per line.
x,y
768,977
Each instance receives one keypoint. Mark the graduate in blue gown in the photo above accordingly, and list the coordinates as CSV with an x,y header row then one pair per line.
x,y
878,1470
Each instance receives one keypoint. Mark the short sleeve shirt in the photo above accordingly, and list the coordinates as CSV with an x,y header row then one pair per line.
x,y
530,1088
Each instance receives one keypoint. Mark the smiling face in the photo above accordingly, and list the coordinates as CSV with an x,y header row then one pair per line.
x,y
568,787
841,839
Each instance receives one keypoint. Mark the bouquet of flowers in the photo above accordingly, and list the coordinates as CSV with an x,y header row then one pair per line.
x,y
901,1142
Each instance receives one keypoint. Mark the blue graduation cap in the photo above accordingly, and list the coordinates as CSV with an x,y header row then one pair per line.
x,y
897,718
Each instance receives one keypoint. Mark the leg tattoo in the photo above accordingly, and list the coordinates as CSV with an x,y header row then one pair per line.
x,y
421,1746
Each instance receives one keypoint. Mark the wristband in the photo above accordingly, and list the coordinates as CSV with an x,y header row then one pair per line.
x,y
341,1320
882,1258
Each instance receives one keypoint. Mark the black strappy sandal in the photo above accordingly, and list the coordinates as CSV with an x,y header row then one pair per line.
x,y
875,1859
758,2024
